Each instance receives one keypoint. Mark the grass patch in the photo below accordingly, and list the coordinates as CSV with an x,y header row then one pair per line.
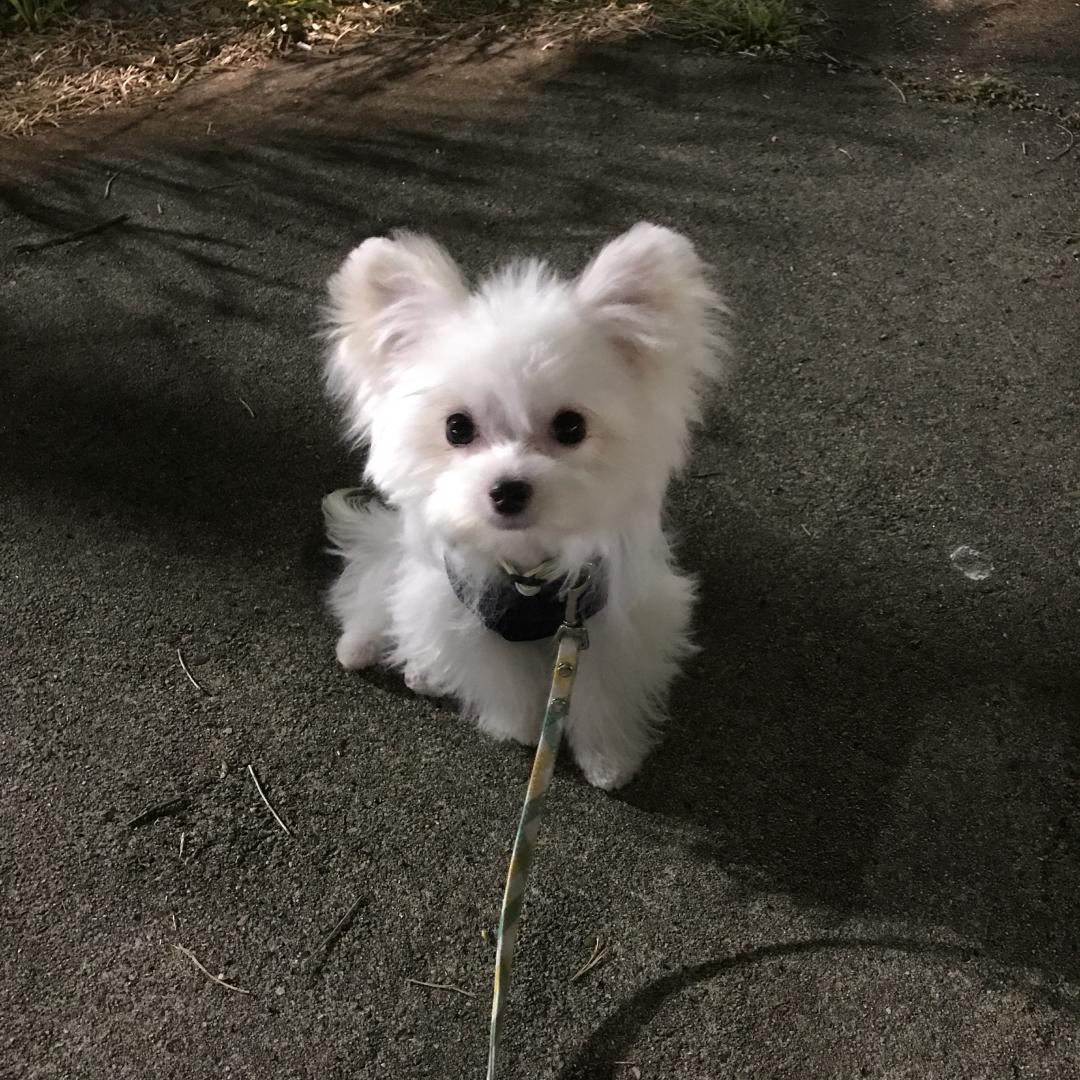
x,y
988,90
31,14
75,59
732,25
761,26
290,19
996,91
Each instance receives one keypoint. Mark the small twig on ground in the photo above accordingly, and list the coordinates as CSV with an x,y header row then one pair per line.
x,y
341,926
70,238
843,64
597,957
151,813
109,184
846,153
175,924
706,475
441,986
213,978
262,795
1023,149
190,234
250,410
807,531
183,836
897,88
209,127
1072,142
191,678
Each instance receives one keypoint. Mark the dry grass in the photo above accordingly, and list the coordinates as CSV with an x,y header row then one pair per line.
x,y
96,56
86,62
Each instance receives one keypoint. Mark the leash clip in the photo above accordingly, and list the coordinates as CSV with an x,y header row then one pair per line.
x,y
572,626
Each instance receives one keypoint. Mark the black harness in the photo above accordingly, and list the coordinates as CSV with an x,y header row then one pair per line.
x,y
522,608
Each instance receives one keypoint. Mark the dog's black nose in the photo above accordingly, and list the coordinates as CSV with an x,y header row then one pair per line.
x,y
510,497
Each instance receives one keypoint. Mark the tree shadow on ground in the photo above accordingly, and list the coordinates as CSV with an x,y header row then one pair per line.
x,y
879,750
601,1057
157,329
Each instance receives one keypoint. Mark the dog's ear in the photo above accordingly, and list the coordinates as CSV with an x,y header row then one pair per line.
x,y
387,293
648,289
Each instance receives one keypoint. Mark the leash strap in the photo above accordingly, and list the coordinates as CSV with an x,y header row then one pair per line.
x,y
572,639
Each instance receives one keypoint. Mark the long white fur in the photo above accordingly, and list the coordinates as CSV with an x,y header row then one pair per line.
x,y
630,344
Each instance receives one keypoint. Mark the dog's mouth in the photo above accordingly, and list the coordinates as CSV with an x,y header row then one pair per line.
x,y
513,523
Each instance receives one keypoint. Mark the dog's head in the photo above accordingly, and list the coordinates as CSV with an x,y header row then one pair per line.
x,y
532,410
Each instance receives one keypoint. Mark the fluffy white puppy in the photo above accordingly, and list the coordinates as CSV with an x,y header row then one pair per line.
x,y
518,433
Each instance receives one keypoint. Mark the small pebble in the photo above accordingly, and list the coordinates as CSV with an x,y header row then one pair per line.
x,y
974,565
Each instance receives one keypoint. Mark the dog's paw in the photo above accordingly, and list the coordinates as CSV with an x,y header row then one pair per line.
x,y
419,683
606,774
355,651
524,729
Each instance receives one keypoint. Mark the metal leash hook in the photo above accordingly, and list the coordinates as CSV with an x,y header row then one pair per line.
x,y
572,624
571,639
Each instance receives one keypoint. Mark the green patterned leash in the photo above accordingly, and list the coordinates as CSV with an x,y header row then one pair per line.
x,y
572,639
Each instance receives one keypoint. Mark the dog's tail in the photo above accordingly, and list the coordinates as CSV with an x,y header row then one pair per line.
x,y
354,518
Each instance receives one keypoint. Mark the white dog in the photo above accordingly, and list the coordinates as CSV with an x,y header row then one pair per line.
x,y
519,433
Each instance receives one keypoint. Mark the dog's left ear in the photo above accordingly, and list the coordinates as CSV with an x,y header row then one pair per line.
x,y
648,289
389,289
387,295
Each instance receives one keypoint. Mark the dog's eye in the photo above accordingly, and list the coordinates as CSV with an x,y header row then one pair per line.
x,y
568,427
460,429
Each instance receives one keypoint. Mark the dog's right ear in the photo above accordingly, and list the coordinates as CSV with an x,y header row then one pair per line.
x,y
387,293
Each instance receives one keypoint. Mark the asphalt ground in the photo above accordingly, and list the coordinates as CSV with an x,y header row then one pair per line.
x,y
857,852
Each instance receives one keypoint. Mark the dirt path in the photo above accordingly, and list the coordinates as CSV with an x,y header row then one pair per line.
x,y
1036,42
